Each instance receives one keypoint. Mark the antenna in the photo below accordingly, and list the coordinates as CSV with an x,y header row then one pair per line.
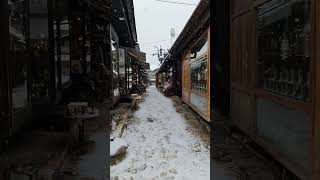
x,y
172,34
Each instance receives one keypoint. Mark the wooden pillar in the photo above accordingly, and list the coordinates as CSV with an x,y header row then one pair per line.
x,y
4,83
58,42
316,121
83,45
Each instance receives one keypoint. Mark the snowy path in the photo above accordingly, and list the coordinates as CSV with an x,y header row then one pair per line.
x,y
160,147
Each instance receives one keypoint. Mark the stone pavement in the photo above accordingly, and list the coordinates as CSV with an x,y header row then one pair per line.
x,y
234,155
35,155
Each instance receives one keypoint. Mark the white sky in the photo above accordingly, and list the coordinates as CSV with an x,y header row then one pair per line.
x,y
154,20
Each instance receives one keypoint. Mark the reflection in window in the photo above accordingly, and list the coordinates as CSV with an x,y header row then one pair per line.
x,y
122,70
199,75
62,50
115,65
88,55
65,51
283,48
18,56
200,48
39,48
130,77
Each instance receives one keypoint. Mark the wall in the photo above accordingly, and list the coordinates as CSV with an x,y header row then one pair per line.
x,y
281,125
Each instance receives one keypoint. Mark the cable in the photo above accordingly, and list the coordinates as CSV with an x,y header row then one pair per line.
x,y
173,2
154,42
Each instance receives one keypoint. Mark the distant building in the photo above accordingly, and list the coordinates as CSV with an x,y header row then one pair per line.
x,y
152,75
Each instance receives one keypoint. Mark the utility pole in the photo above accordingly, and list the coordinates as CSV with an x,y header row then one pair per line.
x,y
172,34
160,52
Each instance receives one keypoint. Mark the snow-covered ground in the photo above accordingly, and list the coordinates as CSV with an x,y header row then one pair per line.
x,y
160,146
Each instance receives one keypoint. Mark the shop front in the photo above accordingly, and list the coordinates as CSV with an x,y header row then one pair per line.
x,y
46,49
15,82
273,78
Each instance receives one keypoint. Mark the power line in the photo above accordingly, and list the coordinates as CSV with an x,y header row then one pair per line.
x,y
155,42
174,2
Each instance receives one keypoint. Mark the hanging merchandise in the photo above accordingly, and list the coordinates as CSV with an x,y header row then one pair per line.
x,y
285,50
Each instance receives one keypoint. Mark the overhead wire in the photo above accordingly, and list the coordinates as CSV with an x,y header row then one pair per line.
x,y
174,2
155,41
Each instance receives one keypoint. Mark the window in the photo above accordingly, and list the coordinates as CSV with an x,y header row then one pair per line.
x,y
199,75
88,48
130,77
122,69
39,49
18,53
283,61
200,48
115,66
65,51
62,50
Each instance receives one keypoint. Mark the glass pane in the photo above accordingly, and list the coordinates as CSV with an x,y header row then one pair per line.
x,y
88,55
39,47
115,65
199,75
130,77
57,54
200,48
62,50
283,48
18,56
122,69
65,51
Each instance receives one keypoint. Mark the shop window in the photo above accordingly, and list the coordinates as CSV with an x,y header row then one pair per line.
x,y
75,40
200,48
199,58
18,53
122,69
115,66
62,51
88,51
283,37
130,77
39,49
199,75
65,51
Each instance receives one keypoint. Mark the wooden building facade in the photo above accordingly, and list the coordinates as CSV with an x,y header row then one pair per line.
x,y
187,67
58,51
274,76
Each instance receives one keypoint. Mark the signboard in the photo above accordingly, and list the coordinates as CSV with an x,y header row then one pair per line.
x,y
140,55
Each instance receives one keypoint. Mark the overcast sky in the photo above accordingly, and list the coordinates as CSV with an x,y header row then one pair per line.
x,y
154,20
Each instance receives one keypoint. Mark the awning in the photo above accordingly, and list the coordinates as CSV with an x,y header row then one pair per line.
x,y
138,56
123,21
97,6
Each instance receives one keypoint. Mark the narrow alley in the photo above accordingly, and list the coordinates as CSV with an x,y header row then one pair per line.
x,y
160,89
161,144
